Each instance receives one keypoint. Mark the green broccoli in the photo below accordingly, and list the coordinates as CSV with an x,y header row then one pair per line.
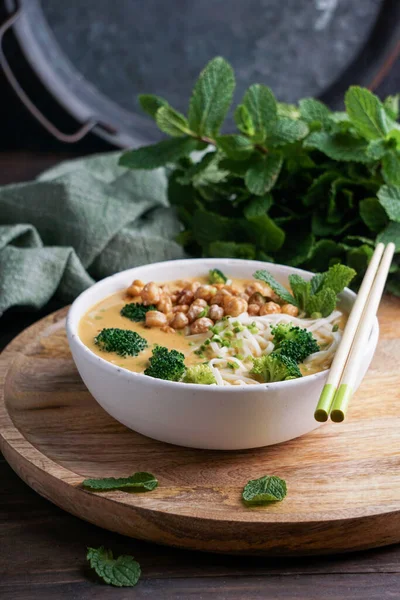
x,y
293,342
135,311
275,367
122,341
166,364
216,276
199,374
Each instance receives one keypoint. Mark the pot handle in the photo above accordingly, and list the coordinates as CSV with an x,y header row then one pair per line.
x,y
33,109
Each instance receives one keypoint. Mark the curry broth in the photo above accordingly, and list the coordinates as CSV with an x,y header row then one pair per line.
x,y
106,313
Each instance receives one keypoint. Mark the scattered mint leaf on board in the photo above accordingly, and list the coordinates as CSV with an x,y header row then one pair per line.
x,y
211,97
137,482
264,490
123,571
135,311
160,154
277,287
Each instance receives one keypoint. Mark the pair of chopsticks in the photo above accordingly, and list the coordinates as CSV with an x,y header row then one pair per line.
x,y
338,390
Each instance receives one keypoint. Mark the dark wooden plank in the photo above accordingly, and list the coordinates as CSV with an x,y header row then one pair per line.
x,y
330,587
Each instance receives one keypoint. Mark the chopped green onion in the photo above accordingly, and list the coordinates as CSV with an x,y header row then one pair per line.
x,y
335,327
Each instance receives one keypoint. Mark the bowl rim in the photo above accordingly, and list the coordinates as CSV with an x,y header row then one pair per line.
x,y
75,314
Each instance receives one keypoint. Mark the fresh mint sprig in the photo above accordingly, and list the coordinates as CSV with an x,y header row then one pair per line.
x,y
329,181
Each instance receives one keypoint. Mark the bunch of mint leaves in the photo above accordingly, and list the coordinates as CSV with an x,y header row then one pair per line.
x,y
299,185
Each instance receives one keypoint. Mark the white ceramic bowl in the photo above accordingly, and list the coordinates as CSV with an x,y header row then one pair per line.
x,y
200,416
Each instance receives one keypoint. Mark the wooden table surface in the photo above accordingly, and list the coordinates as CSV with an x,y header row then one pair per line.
x,y
42,548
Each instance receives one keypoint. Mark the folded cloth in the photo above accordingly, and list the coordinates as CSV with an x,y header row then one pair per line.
x,y
78,222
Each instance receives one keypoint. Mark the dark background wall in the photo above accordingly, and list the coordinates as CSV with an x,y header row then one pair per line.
x,y
20,131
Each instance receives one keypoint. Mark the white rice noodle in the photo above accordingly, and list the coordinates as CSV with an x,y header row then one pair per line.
x,y
258,343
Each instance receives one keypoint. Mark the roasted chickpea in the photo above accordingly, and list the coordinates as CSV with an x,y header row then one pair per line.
x,y
244,296
174,297
179,321
235,307
200,302
135,288
167,329
269,308
194,311
216,312
181,308
253,309
201,325
231,290
257,298
151,294
155,318
185,297
193,286
290,309
165,304
205,292
253,288
219,297
219,286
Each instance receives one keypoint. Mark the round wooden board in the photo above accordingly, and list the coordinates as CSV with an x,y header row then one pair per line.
x,y
343,480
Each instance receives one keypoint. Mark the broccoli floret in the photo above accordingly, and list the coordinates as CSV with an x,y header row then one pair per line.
x,y
122,341
166,364
135,311
216,276
293,342
275,367
199,374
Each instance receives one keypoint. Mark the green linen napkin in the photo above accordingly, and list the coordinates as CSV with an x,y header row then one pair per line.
x,y
78,222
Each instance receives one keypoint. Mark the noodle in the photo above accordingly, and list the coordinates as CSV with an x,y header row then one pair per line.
x,y
253,336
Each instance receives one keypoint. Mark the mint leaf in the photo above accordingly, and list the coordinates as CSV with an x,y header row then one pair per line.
x,y
322,303
338,146
158,155
264,232
391,104
301,290
261,106
258,206
314,111
264,490
211,97
337,278
373,214
243,120
261,177
391,233
358,258
172,122
145,482
365,112
316,282
325,252
376,149
288,110
123,571
232,250
151,103
277,287
287,131
389,198
237,147
391,168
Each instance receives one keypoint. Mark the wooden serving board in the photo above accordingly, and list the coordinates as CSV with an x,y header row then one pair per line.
x,y
343,480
